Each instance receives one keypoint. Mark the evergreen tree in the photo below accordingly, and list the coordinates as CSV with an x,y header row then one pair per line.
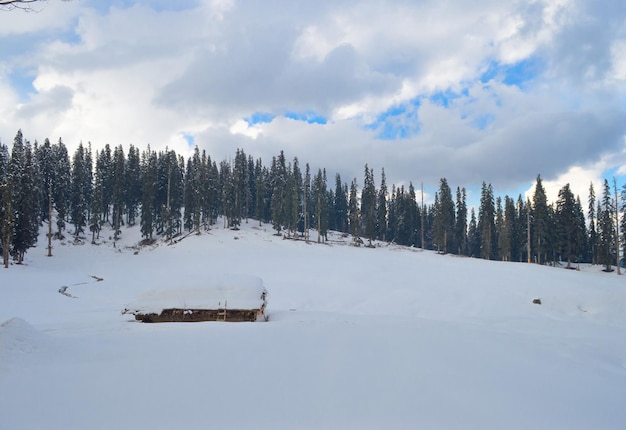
x,y
341,205
444,222
148,193
568,225
354,216
502,233
78,202
278,175
368,206
6,212
606,228
460,228
508,237
45,167
61,189
307,203
119,189
486,224
132,185
262,192
24,198
105,164
391,215
581,231
320,196
95,219
381,209
45,164
540,221
593,235
473,237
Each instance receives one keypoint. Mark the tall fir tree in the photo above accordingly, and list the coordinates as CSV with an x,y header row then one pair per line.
x,y
278,175
6,212
567,219
606,228
132,185
354,215
78,201
443,227
119,189
486,224
148,193
540,222
381,208
460,228
25,221
61,190
593,235
368,206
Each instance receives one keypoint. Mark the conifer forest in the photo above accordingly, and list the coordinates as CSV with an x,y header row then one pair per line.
x,y
168,196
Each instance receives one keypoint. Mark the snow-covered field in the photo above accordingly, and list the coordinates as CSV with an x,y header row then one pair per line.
x,y
358,338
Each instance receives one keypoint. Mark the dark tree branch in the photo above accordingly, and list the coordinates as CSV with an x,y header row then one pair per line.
x,y
25,5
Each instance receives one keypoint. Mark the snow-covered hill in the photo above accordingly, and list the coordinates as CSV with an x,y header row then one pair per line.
x,y
361,338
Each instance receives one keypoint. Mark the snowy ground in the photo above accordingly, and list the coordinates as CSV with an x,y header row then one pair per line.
x,y
358,338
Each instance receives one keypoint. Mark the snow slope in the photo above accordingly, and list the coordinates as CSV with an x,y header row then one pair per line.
x,y
358,338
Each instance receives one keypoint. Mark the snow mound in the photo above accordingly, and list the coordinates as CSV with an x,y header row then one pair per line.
x,y
226,291
19,337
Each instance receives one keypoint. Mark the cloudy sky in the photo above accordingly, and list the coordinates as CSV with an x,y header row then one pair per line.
x,y
489,90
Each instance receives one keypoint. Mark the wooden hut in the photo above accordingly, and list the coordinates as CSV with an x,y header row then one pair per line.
x,y
227,298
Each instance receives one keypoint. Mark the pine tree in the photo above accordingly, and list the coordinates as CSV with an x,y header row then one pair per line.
x,y
540,221
486,224
78,202
568,225
354,216
502,233
278,180
606,228
368,206
262,192
381,208
45,166
341,205
509,246
24,198
119,189
460,228
473,237
320,196
132,185
6,211
593,236
443,224
519,231
306,202
148,193
61,190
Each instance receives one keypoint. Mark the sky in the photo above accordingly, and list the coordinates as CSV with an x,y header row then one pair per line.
x,y
490,90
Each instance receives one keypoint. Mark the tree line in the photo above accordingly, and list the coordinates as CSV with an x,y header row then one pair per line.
x,y
168,196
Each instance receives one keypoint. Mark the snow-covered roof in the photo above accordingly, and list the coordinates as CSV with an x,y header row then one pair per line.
x,y
225,291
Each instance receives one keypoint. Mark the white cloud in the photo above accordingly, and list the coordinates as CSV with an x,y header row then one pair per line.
x,y
142,74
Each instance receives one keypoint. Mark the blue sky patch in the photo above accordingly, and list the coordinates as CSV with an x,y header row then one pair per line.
x,y
444,98
310,117
259,118
189,139
22,82
397,122
518,74
484,121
